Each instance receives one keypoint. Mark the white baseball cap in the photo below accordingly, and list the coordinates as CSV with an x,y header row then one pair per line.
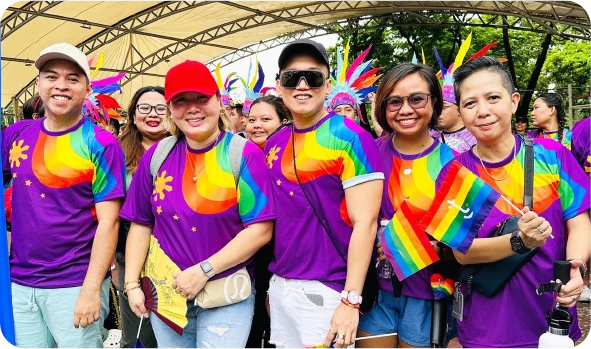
x,y
64,51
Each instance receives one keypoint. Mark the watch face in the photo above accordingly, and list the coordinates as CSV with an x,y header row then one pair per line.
x,y
353,297
516,243
206,267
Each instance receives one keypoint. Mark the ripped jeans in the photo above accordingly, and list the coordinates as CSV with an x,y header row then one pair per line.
x,y
223,327
301,311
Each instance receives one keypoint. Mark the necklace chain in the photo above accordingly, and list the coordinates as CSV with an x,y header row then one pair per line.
x,y
508,172
407,170
192,163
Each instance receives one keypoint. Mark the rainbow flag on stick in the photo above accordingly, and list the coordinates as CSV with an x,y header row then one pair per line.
x,y
406,245
459,209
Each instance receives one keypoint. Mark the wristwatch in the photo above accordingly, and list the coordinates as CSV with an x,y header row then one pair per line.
x,y
207,269
352,296
517,243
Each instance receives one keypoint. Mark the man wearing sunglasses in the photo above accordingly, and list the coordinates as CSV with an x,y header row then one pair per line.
x,y
328,180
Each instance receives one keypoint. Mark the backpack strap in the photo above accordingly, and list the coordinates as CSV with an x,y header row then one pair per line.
x,y
235,150
163,148
528,199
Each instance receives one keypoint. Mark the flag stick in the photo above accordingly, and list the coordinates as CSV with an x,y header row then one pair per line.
x,y
139,327
377,336
517,209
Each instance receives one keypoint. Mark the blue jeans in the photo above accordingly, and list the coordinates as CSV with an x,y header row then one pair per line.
x,y
44,318
222,327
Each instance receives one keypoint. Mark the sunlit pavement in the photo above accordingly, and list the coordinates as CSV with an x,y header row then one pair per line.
x,y
584,322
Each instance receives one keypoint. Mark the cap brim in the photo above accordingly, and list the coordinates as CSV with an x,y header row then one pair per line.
x,y
40,62
205,91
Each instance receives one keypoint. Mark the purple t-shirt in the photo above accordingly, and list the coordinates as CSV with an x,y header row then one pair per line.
x,y
194,220
581,144
419,187
561,192
566,136
58,177
460,140
331,156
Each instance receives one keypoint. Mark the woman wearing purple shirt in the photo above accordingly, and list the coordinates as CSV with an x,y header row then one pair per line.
x,y
204,221
549,117
561,201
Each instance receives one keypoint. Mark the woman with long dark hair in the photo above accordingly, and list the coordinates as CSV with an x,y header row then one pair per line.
x,y
144,127
550,119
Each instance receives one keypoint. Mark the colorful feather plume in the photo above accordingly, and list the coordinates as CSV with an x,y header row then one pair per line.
x,y
351,84
99,106
253,85
225,86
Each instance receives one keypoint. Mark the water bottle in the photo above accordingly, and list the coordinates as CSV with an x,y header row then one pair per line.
x,y
384,267
560,319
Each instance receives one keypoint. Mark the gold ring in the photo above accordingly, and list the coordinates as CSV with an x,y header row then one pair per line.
x,y
540,230
573,298
341,336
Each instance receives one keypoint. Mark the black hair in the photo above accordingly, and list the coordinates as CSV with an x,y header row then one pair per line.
x,y
393,77
277,103
555,100
33,105
490,64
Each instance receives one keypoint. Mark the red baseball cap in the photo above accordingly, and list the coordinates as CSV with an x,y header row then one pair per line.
x,y
189,76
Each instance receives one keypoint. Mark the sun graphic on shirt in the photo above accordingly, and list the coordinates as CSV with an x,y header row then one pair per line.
x,y
161,185
272,156
17,152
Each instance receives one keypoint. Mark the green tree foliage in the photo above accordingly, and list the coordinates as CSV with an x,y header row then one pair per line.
x,y
567,63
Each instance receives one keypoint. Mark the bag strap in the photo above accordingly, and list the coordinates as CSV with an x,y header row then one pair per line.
x,y
528,190
165,146
322,222
235,150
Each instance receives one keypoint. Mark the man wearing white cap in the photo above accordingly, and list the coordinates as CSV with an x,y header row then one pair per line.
x,y
68,182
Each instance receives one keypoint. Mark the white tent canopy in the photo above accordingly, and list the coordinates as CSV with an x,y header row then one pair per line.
x,y
145,38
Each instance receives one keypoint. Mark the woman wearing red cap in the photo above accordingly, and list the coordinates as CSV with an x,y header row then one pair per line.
x,y
199,210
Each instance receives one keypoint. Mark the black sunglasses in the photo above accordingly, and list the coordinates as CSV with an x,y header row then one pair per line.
x,y
291,78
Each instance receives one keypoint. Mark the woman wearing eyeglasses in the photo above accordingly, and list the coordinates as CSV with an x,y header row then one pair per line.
x,y
144,127
408,100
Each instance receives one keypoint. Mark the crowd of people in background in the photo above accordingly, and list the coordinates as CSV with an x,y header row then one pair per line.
x,y
188,194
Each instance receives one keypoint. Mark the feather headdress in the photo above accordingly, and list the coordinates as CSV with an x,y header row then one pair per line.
x,y
447,86
253,86
225,86
352,84
99,106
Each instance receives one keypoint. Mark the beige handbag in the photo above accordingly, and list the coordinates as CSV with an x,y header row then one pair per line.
x,y
225,291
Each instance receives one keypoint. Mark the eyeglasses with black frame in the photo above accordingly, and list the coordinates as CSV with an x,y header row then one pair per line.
x,y
292,78
415,100
145,108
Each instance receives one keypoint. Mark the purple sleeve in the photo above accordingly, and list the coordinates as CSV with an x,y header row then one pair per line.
x,y
255,197
109,162
8,136
138,206
581,144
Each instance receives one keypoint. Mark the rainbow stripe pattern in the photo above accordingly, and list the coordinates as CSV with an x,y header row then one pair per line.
x,y
66,160
459,209
320,152
215,189
406,245
441,287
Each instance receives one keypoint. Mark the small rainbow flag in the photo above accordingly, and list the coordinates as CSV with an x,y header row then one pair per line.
x,y
406,245
459,209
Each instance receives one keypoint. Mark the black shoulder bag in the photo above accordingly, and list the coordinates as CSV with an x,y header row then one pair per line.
x,y
370,286
489,278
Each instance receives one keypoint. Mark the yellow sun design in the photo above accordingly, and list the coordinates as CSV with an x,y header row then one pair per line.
x,y
17,152
161,185
272,156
